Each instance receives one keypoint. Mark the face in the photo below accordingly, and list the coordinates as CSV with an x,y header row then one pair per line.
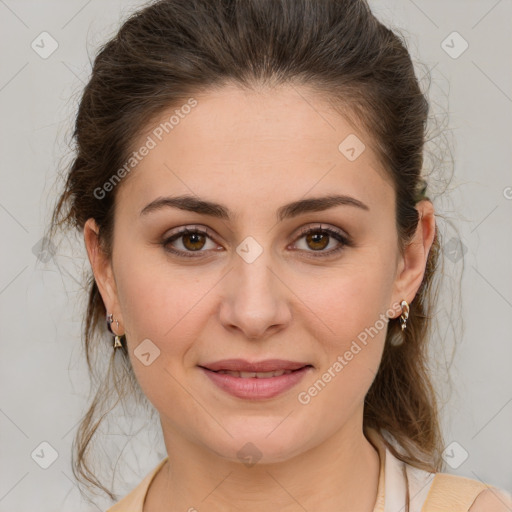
x,y
305,284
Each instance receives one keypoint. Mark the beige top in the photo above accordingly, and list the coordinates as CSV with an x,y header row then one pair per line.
x,y
428,492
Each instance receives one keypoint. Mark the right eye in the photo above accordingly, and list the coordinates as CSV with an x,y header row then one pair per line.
x,y
192,240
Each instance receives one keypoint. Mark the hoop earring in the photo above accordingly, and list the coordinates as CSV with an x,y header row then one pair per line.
x,y
117,339
405,314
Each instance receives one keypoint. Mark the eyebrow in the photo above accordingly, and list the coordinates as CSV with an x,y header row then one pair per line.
x,y
193,204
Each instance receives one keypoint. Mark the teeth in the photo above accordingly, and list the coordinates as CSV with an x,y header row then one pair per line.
x,y
258,375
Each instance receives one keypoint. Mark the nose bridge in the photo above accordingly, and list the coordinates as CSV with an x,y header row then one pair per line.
x,y
256,278
256,299
254,265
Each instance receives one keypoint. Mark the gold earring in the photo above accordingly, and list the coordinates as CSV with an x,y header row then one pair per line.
x,y
117,338
405,314
117,342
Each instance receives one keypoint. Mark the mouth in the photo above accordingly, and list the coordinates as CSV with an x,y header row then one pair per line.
x,y
257,375
258,367
255,381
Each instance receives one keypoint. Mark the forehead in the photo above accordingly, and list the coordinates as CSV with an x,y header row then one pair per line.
x,y
248,146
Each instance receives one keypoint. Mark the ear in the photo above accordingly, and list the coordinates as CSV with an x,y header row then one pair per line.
x,y
412,263
101,266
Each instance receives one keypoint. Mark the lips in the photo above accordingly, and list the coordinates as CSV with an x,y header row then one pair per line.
x,y
245,368
255,375
256,385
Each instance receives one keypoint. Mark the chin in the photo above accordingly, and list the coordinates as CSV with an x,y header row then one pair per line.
x,y
262,445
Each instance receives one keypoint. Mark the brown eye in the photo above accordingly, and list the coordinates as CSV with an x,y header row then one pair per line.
x,y
193,241
317,241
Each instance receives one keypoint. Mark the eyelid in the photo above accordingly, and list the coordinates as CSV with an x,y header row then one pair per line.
x,y
191,228
323,227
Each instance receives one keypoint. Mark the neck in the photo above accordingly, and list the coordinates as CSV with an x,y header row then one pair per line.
x,y
340,475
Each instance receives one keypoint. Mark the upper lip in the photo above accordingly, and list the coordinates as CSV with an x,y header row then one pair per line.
x,y
241,365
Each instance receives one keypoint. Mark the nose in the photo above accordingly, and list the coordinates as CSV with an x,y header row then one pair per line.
x,y
255,299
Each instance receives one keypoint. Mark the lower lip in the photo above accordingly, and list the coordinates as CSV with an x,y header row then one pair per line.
x,y
256,389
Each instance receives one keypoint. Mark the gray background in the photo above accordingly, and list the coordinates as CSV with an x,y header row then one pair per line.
x,y
43,387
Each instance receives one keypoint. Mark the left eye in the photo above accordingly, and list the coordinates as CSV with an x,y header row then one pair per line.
x,y
316,238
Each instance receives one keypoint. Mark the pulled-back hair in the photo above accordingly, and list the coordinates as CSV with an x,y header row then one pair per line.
x,y
170,51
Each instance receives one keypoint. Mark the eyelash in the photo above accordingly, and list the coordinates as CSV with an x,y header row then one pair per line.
x,y
344,240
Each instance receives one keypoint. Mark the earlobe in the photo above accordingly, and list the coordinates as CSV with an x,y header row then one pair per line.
x,y
415,257
101,265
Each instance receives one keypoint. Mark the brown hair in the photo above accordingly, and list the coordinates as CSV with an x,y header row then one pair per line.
x,y
172,49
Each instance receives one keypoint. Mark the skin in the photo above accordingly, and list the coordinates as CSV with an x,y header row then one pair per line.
x,y
254,152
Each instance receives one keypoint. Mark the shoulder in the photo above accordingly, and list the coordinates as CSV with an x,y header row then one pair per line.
x,y
453,492
492,500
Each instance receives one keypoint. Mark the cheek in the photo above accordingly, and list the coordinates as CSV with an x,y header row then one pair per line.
x,y
353,301
353,308
157,298
165,305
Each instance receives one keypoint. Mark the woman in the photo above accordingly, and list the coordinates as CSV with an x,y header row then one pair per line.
x,y
249,184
